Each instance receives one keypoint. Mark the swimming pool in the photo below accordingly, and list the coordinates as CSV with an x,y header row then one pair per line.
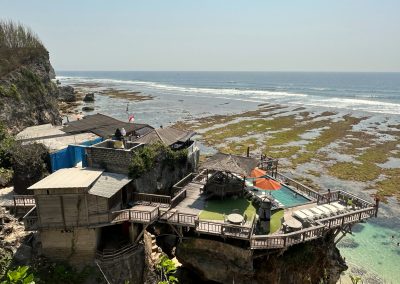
x,y
286,196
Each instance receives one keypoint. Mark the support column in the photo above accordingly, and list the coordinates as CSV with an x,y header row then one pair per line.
x,y
133,232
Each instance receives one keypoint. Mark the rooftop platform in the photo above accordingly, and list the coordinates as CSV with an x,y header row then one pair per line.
x,y
69,178
53,137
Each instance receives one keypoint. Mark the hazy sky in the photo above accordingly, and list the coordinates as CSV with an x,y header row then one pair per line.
x,y
302,35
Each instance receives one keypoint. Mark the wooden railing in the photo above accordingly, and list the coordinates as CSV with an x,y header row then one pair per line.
x,y
285,240
201,178
222,229
179,218
348,218
180,195
183,182
24,200
299,186
140,216
152,198
114,254
31,220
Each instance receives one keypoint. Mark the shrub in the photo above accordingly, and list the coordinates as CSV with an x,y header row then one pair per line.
x,y
145,158
19,275
30,164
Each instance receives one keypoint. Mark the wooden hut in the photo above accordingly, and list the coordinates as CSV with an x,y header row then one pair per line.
x,y
226,174
72,205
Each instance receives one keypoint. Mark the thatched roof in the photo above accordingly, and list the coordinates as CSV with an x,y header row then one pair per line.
x,y
230,163
167,136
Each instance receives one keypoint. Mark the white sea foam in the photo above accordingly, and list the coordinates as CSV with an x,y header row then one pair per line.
x,y
363,103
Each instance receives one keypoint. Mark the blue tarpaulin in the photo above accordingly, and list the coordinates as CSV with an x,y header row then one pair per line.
x,y
71,156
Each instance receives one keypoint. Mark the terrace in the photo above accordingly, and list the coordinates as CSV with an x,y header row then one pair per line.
x,y
296,213
192,207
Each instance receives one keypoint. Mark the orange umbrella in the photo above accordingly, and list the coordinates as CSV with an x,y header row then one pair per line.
x,y
256,172
264,183
267,184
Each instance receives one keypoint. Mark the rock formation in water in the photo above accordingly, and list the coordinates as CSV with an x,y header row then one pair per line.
x,y
27,94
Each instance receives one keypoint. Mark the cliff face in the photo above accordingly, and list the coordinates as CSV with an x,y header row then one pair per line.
x,y
27,94
223,263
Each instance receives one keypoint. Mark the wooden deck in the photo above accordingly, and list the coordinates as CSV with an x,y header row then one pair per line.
x,y
184,207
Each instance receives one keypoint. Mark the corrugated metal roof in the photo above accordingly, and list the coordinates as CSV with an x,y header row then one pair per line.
x,y
103,125
108,184
168,136
69,178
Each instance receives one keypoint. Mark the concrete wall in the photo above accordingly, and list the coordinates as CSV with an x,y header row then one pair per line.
x,y
78,245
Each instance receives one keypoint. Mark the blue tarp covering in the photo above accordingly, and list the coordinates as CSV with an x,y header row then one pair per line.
x,y
71,156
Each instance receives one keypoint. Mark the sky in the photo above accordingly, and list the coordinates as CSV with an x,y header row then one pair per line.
x,y
215,35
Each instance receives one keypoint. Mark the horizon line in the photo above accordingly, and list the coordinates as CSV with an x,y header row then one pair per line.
x,y
227,71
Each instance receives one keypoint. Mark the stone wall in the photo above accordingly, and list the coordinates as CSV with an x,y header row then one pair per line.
x,y
77,246
126,269
112,160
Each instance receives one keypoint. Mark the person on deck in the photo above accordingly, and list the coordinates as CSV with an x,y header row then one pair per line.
x,y
118,134
329,196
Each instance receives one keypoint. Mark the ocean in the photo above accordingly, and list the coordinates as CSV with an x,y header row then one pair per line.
x,y
373,249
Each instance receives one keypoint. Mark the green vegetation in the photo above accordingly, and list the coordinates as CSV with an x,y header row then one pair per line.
x,y
216,209
365,168
275,222
47,273
246,127
18,44
336,131
19,275
167,269
239,147
145,158
29,163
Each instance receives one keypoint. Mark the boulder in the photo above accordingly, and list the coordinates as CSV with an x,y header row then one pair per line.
x,y
89,97
66,94
88,108
23,254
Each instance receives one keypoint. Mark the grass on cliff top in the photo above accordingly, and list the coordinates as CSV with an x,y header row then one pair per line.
x,y
275,222
215,209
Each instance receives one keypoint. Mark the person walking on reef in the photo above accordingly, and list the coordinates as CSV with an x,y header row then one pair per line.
x,y
329,196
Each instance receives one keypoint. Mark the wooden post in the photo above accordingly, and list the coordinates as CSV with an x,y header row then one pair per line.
x,y
248,151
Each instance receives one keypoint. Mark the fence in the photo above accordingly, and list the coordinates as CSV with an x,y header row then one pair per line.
x,y
152,198
140,216
24,200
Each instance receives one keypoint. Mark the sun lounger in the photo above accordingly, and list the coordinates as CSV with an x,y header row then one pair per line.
x,y
333,209
309,214
300,215
340,207
325,210
318,212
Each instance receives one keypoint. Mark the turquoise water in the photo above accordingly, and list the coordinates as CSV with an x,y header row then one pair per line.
x,y
288,197
373,248
285,195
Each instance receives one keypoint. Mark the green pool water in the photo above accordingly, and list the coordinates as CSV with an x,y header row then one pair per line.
x,y
372,248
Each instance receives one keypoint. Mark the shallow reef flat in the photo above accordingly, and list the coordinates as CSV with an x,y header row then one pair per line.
x,y
340,145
